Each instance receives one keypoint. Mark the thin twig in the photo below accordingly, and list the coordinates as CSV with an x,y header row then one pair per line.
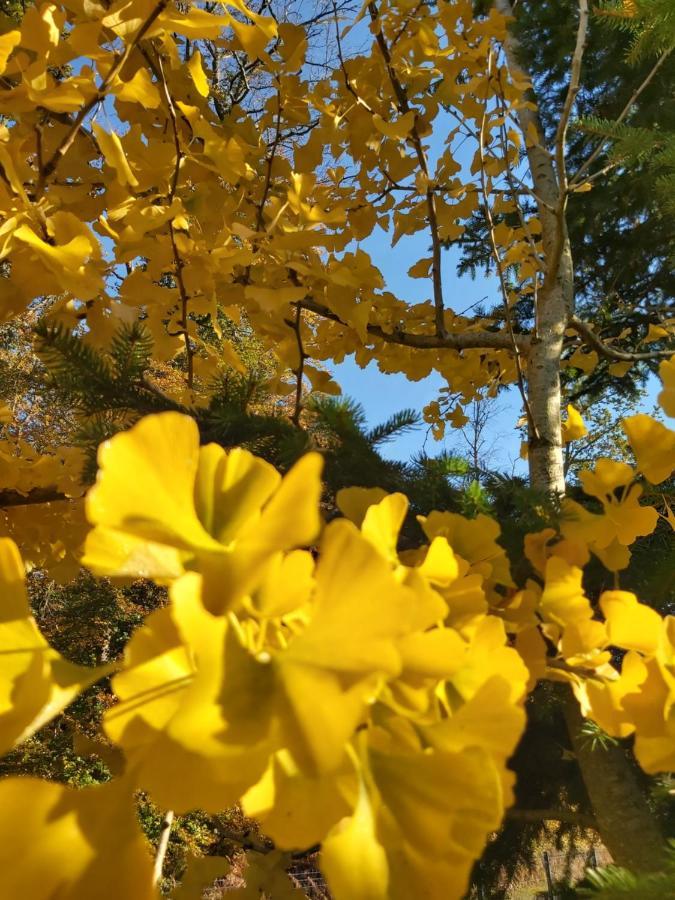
x,y
498,262
432,218
177,259
560,142
571,96
270,162
162,846
519,209
622,115
299,371
568,816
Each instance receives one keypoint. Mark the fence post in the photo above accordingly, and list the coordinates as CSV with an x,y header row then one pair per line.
x,y
549,877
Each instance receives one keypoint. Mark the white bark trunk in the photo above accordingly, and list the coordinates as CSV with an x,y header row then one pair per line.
x,y
555,300
624,819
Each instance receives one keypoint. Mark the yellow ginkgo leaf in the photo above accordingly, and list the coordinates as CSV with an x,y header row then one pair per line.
x,y
293,45
266,875
424,799
667,396
440,564
653,445
36,682
475,540
399,129
163,453
490,719
295,809
382,523
57,841
113,151
8,42
194,713
354,502
563,599
221,513
574,428
68,256
332,670
607,476
197,74
631,625
139,89
655,333
353,858
199,874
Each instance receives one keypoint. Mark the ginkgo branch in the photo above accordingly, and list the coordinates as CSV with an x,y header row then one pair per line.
x,y
66,142
10,499
498,263
585,331
299,371
430,197
462,340
178,261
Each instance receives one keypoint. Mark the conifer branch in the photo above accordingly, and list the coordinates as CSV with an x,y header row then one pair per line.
x,y
576,180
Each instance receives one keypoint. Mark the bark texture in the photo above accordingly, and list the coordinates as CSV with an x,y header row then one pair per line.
x,y
555,301
623,818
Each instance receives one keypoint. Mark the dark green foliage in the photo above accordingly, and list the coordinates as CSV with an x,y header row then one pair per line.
x,y
107,391
615,883
649,25
96,382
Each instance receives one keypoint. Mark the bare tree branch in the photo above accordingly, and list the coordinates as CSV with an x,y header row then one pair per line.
x,y
162,846
572,91
568,816
498,260
593,340
10,498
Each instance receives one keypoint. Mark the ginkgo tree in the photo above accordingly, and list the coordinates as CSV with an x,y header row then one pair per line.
x,y
297,660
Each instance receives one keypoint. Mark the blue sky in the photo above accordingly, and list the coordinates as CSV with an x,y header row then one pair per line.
x,y
383,394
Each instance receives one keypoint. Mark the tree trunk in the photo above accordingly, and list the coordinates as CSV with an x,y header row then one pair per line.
x,y
625,822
